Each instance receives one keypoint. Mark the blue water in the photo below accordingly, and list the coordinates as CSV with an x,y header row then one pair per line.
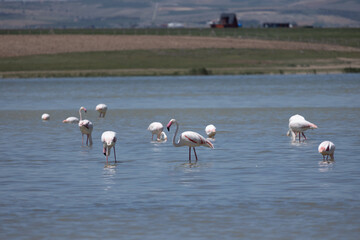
x,y
255,184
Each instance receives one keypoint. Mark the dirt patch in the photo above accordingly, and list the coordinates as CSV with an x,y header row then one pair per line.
x,y
23,45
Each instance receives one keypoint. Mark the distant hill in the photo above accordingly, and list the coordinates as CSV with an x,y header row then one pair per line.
x,y
190,13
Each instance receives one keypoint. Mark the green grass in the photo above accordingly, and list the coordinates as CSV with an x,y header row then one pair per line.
x,y
337,36
169,62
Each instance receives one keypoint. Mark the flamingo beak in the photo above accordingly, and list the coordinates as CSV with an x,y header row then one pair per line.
x,y
104,151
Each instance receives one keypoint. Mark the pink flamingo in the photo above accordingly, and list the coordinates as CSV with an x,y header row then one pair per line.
x,y
86,127
210,131
190,139
108,139
327,149
71,120
156,128
45,116
298,125
101,108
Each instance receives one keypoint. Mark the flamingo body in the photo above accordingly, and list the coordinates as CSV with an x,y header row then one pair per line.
x,y
45,116
210,131
108,139
101,108
156,128
298,125
327,149
71,120
189,138
163,137
86,128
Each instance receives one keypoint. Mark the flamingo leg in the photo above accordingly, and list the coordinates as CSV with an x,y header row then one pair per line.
x,y
304,135
189,155
195,155
87,140
82,139
299,136
114,154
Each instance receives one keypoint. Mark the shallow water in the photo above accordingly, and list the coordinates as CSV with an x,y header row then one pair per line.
x,y
255,184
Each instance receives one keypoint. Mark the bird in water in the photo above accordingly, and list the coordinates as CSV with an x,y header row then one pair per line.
x,y
86,128
45,116
189,139
298,125
327,149
101,108
210,131
156,128
71,120
108,139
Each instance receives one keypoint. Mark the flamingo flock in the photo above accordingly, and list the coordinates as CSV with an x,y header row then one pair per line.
x,y
297,126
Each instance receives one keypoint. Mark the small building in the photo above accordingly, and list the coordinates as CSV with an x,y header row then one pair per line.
x,y
227,20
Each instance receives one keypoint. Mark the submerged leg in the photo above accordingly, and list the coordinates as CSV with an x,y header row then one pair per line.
x,y
82,139
195,155
114,154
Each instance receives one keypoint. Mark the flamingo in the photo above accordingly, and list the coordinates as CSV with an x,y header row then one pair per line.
x,y
210,131
86,127
290,132
298,125
45,116
101,108
163,137
189,138
71,120
327,149
156,128
108,139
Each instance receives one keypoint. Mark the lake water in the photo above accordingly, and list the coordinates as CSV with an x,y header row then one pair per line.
x,y
255,184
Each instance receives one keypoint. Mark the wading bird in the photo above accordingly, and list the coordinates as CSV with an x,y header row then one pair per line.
x,y
108,139
189,138
101,108
156,128
210,131
71,120
45,116
327,149
86,127
298,125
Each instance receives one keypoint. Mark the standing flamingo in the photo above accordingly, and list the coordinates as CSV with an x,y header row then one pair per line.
x,y
86,127
101,108
45,116
298,125
190,139
156,128
327,149
108,139
71,120
290,132
210,131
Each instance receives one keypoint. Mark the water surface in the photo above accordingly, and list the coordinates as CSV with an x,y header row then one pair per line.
x,y
255,184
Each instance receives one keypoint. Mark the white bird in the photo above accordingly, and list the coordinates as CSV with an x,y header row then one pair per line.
x,y
101,108
189,138
298,125
290,132
71,120
327,149
86,127
108,139
155,128
210,131
45,116
163,137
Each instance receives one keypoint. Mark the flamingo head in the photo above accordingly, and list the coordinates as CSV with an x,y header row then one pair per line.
x,y
170,123
83,108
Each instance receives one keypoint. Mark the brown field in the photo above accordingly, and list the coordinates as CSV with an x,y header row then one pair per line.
x,y
24,45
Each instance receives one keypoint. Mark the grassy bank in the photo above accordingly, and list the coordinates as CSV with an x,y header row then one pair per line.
x,y
178,62
337,36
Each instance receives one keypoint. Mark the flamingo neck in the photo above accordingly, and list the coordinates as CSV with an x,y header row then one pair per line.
x,y
176,144
80,114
